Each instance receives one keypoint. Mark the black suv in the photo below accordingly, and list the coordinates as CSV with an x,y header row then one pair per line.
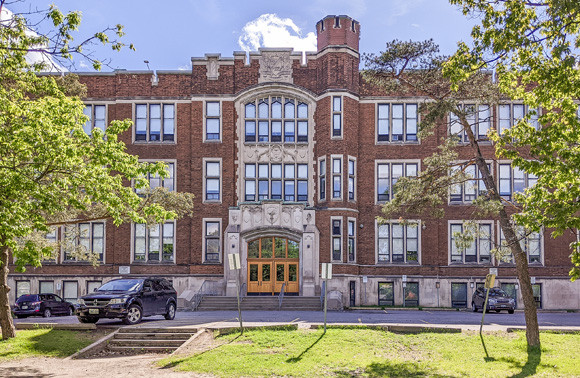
x,y
498,300
129,299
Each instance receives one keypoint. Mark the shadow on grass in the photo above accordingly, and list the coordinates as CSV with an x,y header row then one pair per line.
x,y
54,343
299,357
534,357
177,362
391,369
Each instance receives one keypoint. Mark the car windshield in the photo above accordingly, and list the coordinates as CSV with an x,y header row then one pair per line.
x,y
497,293
121,285
27,298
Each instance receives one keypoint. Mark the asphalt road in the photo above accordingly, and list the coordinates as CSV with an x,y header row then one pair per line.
x,y
548,319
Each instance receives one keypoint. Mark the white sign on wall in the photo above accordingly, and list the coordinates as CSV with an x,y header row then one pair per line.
x,y
124,270
234,260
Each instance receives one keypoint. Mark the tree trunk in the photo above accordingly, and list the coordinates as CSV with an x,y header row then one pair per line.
x,y
521,260
8,330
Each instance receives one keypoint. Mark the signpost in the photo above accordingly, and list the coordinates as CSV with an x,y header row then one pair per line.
x,y
489,282
326,275
234,261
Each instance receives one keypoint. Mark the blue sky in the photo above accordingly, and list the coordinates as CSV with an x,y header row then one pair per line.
x,y
169,33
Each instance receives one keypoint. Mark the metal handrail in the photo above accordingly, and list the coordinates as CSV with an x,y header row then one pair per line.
x,y
242,292
281,296
208,287
322,294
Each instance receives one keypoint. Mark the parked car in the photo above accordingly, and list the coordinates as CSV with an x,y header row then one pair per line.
x,y
129,299
41,305
498,300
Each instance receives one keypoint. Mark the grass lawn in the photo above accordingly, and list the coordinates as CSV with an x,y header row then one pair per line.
x,y
44,342
376,353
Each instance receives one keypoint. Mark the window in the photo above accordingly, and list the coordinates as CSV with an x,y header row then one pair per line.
x,y
276,181
351,240
93,285
46,287
212,121
154,123
467,191
459,295
155,181
397,122
212,241
386,295
97,118
322,177
479,251
351,178
336,177
511,114
22,288
411,294
336,232
479,119
537,291
276,119
388,173
70,291
154,244
530,242
513,180
90,236
337,116
51,237
398,243
212,180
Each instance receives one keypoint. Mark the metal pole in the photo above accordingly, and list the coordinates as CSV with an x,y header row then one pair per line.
x,y
481,326
325,284
239,308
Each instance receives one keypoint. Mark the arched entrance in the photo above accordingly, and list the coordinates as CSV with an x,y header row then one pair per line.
x,y
272,262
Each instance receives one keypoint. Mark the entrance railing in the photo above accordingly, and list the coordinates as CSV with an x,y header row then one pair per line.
x,y
207,288
281,296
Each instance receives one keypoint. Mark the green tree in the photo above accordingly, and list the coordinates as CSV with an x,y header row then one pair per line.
x,y
52,172
416,69
534,48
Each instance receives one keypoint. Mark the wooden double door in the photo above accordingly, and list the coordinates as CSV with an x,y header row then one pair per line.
x,y
272,263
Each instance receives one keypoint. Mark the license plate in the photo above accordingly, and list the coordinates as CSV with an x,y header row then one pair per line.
x,y
24,307
94,311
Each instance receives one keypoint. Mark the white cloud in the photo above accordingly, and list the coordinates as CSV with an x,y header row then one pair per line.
x,y
399,8
269,30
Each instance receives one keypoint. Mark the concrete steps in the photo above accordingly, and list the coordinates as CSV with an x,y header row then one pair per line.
x,y
264,303
149,340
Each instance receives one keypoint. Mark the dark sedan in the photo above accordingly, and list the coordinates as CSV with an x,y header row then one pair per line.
x,y
42,305
498,300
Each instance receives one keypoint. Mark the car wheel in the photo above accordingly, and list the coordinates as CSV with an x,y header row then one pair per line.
x,y
510,311
473,307
170,315
498,311
46,313
88,320
71,311
134,315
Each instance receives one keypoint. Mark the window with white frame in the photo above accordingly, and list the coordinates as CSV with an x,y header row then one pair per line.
x,y
336,177
276,181
351,240
467,191
336,235
88,235
212,170
276,119
510,114
479,118
398,243
514,180
212,240
388,173
22,288
46,287
154,244
70,291
351,178
97,118
212,120
154,122
397,122
156,181
52,237
531,243
478,251
337,116
322,178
